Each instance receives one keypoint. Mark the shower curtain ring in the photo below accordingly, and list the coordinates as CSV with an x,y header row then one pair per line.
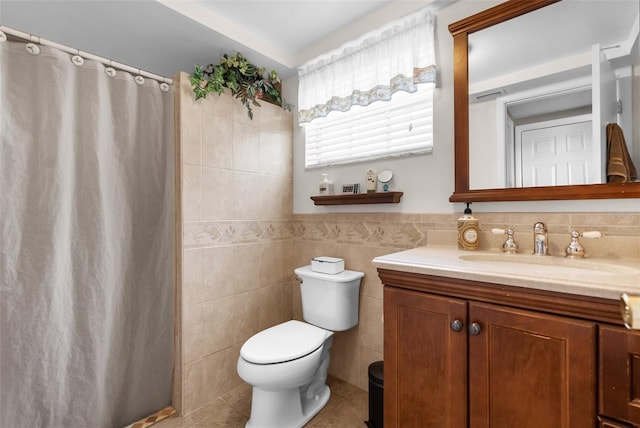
x,y
139,79
110,71
32,48
77,59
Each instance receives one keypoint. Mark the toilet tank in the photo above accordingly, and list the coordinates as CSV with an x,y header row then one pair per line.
x,y
330,301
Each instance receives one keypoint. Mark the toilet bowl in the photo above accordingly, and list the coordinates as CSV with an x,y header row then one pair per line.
x,y
287,364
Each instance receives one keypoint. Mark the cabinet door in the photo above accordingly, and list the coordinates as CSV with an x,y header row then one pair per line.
x,y
530,370
425,369
620,374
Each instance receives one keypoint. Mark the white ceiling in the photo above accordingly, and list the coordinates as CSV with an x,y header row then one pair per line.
x,y
545,48
168,36
547,35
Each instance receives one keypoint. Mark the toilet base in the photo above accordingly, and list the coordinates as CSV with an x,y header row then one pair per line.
x,y
285,409
311,406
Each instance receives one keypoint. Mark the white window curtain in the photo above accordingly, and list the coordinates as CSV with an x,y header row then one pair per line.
x,y
394,58
86,239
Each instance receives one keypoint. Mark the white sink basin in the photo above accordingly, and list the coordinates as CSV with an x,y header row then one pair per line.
x,y
544,265
597,277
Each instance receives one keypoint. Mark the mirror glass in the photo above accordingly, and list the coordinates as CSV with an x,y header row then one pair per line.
x,y
542,88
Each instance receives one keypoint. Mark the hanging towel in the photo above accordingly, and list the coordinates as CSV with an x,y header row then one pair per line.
x,y
620,168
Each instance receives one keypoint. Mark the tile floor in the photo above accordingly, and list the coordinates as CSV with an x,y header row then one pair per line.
x,y
348,407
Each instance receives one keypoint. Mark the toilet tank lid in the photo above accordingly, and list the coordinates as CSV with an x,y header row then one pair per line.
x,y
283,342
344,276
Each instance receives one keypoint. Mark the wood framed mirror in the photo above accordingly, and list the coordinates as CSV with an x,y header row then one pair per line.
x,y
464,192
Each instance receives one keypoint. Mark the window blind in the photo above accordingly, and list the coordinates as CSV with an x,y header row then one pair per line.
x,y
399,127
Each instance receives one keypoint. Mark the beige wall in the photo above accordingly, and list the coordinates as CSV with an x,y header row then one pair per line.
x,y
236,205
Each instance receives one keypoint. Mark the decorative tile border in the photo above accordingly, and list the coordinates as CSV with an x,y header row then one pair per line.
x,y
618,224
396,234
394,230
202,234
403,231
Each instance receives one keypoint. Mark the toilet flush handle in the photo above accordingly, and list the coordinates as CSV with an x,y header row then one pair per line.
x,y
299,279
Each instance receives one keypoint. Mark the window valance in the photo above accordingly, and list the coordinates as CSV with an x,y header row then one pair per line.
x,y
394,58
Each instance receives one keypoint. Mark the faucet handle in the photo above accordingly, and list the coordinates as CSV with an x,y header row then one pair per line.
x,y
590,234
509,245
574,249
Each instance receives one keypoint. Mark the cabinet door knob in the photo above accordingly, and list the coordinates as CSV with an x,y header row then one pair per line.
x,y
474,328
456,325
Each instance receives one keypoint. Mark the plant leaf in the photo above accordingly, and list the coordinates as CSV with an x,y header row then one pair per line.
x,y
245,80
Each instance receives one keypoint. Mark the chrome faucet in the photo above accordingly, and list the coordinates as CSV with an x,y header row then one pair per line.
x,y
540,244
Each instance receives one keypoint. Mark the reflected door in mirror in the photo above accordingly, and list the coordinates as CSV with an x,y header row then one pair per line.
x,y
556,154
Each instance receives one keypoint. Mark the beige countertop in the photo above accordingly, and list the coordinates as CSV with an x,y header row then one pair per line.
x,y
605,278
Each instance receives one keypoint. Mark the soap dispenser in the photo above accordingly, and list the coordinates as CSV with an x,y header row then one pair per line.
x,y
326,186
468,231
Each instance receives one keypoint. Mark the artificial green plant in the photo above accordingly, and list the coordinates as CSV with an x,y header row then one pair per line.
x,y
245,81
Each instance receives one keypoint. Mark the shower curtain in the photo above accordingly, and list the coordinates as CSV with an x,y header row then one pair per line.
x,y
86,243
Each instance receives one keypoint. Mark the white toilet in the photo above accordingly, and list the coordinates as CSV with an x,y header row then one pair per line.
x,y
287,364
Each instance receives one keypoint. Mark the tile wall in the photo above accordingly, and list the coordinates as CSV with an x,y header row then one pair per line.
x,y
235,186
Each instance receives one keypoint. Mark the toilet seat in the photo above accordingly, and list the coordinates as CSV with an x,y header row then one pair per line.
x,y
283,342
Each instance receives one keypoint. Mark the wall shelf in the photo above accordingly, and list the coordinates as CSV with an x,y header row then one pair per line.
x,y
358,198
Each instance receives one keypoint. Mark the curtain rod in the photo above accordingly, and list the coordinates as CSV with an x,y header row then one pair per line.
x,y
73,51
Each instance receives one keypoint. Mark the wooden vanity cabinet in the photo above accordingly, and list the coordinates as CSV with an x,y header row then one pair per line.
x,y
524,369
465,354
619,374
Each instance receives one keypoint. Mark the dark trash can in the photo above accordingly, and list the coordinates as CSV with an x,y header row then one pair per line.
x,y
376,393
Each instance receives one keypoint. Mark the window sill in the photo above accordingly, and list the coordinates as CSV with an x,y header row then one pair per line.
x,y
358,198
